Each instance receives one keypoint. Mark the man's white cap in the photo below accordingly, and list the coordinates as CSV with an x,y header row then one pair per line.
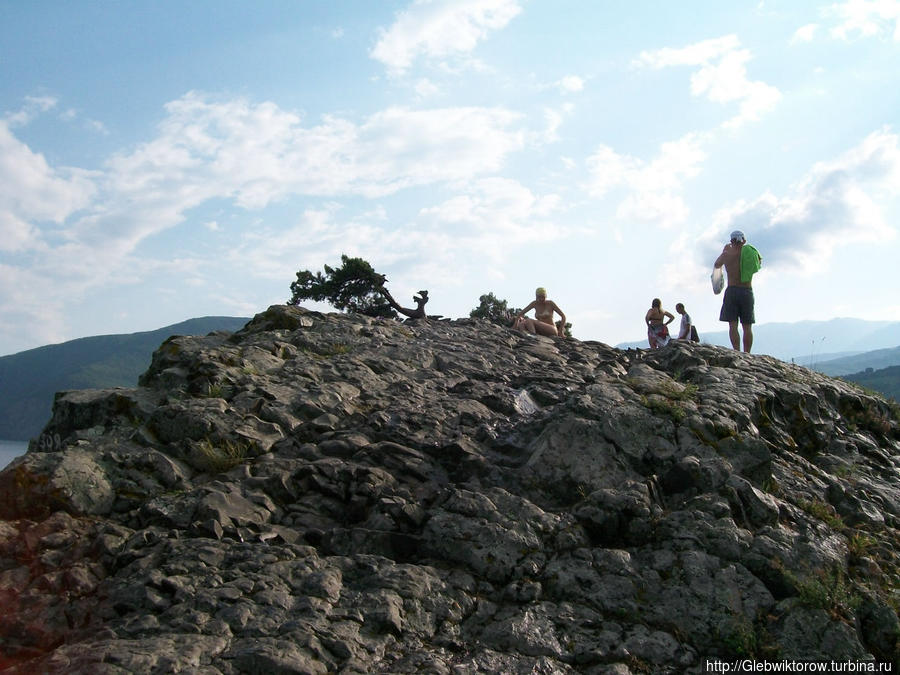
x,y
737,235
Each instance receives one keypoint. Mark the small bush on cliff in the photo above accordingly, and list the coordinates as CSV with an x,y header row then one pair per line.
x,y
829,590
222,457
352,287
493,309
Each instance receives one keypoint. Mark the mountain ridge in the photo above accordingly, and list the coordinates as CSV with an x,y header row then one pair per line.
x,y
30,379
848,365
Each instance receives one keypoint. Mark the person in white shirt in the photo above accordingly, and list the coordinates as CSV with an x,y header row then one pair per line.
x,y
685,332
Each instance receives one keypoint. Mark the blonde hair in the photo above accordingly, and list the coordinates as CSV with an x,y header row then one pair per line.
x,y
541,291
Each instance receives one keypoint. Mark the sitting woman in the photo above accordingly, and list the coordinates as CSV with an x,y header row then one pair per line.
x,y
542,324
657,328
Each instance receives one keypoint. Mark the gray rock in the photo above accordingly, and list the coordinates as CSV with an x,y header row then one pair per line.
x,y
334,493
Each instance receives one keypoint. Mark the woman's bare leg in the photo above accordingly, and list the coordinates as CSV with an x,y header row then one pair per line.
x,y
524,324
547,329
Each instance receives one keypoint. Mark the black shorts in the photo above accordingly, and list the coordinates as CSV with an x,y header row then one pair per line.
x,y
737,305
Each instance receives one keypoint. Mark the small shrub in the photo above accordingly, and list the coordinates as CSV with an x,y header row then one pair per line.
x,y
221,458
819,509
337,349
213,390
739,637
860,544
772,487
662,406
828,590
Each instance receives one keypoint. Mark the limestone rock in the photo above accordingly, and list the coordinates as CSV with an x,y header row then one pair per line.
x,y
334,493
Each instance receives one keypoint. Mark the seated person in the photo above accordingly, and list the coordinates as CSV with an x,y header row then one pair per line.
x,y
657,328
542,324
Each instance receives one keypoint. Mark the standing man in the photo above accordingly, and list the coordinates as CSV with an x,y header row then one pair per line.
x,y
741,262
685,332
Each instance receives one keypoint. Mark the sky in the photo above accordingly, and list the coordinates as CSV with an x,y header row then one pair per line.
x,y
162,160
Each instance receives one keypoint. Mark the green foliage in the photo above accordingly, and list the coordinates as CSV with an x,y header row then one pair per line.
x,y
213,390
738,636
874,419
824,512
686,393
221,458
493,309
828,590
772,486
860,544
662,406
352,287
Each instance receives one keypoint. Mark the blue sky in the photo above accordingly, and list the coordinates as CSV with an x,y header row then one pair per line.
x,y
164,160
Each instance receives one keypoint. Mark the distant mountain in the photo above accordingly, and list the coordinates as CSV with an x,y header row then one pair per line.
x,y
883,380
877,359
29,379
808,343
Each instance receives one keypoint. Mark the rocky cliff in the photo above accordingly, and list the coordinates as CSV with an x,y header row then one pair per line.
x,y
331,493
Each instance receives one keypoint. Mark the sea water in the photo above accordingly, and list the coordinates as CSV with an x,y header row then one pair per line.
x,y
9,450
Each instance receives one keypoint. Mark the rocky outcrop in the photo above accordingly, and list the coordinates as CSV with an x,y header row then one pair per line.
x,y
331,493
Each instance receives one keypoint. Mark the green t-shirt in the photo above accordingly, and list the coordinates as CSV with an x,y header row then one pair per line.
x,y
751,261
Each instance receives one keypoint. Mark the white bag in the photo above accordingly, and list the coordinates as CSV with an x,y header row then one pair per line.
x,y
718,280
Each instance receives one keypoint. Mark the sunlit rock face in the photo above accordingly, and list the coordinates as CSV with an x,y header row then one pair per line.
x,y
332,493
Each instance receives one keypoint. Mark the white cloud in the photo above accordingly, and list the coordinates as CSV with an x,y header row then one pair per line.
x,y
804,33
499,204
209,144
839,202
34,105
323,234
722,76
425,88
554,120
570,84
96,126
87,226
476,229
259,153
438,29
867,18
652,189
32,193
30,305
692,55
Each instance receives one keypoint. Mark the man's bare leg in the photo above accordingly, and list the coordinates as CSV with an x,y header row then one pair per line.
x,y
748,336
734,335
